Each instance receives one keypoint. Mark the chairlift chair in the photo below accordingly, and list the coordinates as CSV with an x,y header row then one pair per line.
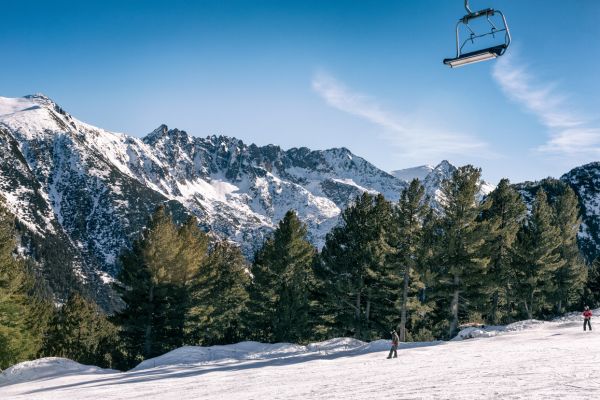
x,y
485,54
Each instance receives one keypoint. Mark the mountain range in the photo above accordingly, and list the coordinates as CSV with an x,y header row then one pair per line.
x,y
81,194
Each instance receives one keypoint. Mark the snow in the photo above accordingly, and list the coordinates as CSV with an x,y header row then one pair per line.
x,y
408,174
106,278
12,105
525,360
486,188
46,368
216,189
193,356
350,182
474,332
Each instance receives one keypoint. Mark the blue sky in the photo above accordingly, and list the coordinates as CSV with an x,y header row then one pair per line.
x,y
367,75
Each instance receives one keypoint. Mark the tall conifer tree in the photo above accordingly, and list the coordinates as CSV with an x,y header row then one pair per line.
x,y
22,316
407,242
154,285
505,214
354,264
462,264
569,279
183,280
282,281
537,256
220,296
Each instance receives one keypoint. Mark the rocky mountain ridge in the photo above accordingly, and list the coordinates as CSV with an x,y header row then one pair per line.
x,y
81,193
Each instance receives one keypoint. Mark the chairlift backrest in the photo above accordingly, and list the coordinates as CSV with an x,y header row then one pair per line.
x,y
484,54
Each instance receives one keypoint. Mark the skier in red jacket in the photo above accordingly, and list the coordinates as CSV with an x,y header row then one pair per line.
x,y
587,316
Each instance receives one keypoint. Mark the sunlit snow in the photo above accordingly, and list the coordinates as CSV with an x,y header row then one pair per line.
x,y
526,360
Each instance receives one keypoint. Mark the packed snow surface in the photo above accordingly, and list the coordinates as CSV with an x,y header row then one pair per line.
x,y
527,360
45,368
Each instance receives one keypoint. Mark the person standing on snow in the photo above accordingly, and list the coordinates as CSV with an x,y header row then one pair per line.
x,y
587,316
395,342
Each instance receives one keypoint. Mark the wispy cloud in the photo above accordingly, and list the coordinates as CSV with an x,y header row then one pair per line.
x,y
570,133
411,138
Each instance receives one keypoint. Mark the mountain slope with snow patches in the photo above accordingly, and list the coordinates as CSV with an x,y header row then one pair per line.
x,y
81,193
585,182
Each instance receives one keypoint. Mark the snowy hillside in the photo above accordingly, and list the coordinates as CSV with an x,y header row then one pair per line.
x,y
82,193
526,360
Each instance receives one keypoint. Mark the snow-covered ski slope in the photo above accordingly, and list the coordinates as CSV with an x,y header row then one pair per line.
x,y
527,360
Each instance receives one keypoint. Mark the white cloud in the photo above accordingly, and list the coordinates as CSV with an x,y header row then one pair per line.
x,y
570,133
411,138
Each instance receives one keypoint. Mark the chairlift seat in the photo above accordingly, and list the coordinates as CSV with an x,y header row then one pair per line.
x,y
476,56
488,53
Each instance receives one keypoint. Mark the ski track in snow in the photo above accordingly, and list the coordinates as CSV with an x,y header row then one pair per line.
x,y
552,360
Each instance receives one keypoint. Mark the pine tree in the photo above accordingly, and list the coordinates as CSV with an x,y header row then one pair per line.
x,y
22,316
354,266
154,285
220,296
407,242
537,256
192,256
79,330
569,279
591,295
504,215
462,265
429,319
282,280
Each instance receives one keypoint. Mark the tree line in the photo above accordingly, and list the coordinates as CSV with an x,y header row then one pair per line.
x,y
404,265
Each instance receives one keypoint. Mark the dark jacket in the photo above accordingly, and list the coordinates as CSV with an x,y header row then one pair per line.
x,y
395,339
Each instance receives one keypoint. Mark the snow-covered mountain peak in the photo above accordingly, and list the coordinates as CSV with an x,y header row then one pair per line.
x,y
36,117
164,134
408,174
39,98
45,101
445,167
156,134
10,105
32,102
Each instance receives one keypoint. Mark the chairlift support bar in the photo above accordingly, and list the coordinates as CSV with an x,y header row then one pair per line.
x,y
467,7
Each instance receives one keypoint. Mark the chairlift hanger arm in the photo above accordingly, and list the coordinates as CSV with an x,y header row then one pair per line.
x,y
467,7
471,14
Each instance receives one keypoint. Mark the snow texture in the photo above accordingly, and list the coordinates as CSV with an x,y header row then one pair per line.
x,y
525,360
46,368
